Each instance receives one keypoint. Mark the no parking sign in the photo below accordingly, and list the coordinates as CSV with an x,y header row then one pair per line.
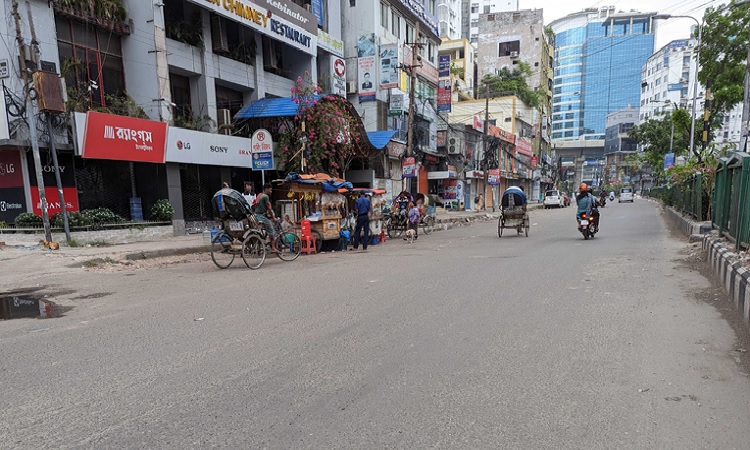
x,y
261,145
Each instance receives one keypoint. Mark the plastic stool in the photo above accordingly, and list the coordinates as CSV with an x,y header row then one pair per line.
x,y
308,245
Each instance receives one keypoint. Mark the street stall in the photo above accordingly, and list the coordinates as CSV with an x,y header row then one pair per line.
x,y
316,198
377,203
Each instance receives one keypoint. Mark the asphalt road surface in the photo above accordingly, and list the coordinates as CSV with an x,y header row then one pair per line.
x,y
461,340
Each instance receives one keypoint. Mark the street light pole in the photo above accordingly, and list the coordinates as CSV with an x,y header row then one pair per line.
x,y
695,76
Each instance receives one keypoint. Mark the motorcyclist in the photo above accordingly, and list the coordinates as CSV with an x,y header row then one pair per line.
x,y
602,198
587,204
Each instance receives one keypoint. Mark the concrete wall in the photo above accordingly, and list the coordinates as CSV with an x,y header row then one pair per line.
x,y
155,233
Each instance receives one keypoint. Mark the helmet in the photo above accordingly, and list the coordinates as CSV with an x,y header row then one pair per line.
x,y
583,187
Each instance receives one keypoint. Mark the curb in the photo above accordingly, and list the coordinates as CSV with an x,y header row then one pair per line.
x,y
729,273
136,256
686,225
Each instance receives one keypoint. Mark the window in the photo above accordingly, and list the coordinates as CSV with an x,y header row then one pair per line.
x,y
686,60
486,9
395,24
506,48
230,99
474,23
409,33
475,8
233,40
90,62
384,15
179,88
272,52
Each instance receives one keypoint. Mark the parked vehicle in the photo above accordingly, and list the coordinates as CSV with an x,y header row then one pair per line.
x,y
626,195
553,198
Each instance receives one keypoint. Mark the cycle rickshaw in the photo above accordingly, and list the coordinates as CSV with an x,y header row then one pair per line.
x,y
513,214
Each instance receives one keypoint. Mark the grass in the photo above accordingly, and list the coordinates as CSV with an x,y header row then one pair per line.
x,y
73,243
99,243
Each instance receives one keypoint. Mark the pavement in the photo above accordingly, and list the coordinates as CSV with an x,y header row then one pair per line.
x,y
180,245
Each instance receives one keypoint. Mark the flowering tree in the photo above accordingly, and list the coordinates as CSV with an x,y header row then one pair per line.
x,y
335,135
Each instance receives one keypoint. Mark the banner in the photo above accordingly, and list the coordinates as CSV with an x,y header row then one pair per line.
x,y
523,146
121,138
12,197
444,66
366,70
534,162
396,105
444,96
389,75
493,177
196,147
668,161
409,168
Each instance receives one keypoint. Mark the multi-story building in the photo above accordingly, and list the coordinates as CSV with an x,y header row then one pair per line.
x,y
379,40
617,144
189,63
463,64
472,9
449,17
598,56
667,80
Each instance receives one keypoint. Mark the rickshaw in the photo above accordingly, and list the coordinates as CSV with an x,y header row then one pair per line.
x,y
242,234
397,222
513,212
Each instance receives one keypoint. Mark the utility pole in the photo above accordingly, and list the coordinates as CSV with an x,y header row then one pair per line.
x,y
31,122
485,161
415,47
706,118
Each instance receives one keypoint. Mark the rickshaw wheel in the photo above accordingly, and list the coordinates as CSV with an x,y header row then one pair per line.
x,y
394,230
500,225
221,250
528,225
253,251
428,224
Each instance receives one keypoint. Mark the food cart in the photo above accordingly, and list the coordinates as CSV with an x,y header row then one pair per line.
x,y
314,197
377,203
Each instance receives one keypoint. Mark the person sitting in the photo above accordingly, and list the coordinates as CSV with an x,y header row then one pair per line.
x,y
587,204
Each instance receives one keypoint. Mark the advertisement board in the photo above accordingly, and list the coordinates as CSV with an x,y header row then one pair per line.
x,y
444,96
493,177
668,161
444,66
121,138
389,74
262,147
195,147
53,200
366,69
409,167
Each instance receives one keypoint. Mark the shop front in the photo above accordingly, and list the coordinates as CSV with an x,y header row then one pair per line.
x,y
448,188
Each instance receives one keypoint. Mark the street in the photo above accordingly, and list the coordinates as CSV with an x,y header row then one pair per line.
x,y
460,340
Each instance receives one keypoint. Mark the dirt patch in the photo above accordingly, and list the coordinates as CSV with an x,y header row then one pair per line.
x,y
127,265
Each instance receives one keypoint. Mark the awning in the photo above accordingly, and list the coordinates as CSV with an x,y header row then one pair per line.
x,y
379,139
270,107
441,175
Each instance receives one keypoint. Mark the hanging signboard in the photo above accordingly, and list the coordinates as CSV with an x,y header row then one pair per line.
x,y
444,96
389,66
262,146
534,162
366,69
493,177
409,166
396,106
444,66
338,76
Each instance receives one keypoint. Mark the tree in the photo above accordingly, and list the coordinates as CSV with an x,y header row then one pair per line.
x,y
513,82
655,134
723,54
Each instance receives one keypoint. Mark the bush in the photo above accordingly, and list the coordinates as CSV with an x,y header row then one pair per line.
x,y
162,211
101,216
28,219
3,224
75,219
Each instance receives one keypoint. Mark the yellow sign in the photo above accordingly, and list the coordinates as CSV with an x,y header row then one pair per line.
x,y
242,10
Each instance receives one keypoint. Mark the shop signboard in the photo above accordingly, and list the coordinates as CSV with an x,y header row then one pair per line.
x,y
196,147
534,162
444,66
366,69
53,200
396,105
450,189
389,75
444,96
317,10
523,146
280,20
330,44
12,203
493,177
409,168
11,174
121,138
338,76
262,146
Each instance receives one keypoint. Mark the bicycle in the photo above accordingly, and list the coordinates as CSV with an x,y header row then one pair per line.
x,y
288,245
427,221
225,247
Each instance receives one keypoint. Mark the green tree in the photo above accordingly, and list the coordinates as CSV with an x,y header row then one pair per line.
x,y
513,82
655,134
723,53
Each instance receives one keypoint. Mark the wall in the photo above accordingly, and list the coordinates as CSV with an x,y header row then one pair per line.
x,y
146,234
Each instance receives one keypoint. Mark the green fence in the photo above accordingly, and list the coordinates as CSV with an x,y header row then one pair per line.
x,y
731,215
686,197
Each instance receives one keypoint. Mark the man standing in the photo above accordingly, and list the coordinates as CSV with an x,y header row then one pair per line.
x,y
264,213
362,205
249,193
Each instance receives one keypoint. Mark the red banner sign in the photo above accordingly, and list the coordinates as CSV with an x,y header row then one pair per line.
x,y
53,200
124,138
534,162
523,146
11,174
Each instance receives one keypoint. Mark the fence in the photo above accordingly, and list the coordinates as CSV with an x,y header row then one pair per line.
x,y
686,197
731,216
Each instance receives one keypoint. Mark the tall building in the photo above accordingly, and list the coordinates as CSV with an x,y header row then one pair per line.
x,y
463,64
598,59
449,17
617,143
472,9
667,80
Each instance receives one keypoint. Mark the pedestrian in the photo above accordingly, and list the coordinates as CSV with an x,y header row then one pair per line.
x,y
264,213
364,210
286,224
480,202
249,193
414,217
225,185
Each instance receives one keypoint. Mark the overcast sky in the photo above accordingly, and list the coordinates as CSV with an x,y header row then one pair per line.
x,y
668,29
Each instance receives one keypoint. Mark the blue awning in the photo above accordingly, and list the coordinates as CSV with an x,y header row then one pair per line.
x,y
379,139
270,107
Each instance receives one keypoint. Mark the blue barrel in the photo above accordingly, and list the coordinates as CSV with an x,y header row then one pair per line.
x,y
136,209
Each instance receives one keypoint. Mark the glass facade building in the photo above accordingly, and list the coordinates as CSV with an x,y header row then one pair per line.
x,y
598,60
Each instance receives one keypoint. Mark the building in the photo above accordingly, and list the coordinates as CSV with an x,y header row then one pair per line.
x,y
379,40
472,9
598,56
169,76
667,80
463,65
617,144
449,17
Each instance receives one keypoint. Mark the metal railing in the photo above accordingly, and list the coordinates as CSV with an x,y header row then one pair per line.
x,y
686,197
731,198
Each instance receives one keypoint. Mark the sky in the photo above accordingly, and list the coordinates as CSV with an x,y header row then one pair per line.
x,y
668,30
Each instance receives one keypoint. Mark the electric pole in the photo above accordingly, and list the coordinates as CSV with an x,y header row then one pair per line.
x,y
415,47
31,121
485,160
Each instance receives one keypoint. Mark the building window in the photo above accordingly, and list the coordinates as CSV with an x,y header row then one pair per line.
x,y
179,87
475,8
486,9
230,99
272,60
90,62
395,24
506,48
686,60
231,39
384,15
409,33
474,23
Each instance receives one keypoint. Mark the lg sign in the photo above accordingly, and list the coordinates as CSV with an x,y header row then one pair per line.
x,y
183,145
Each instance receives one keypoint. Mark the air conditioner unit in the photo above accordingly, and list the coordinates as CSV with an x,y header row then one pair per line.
x,y
453,150
351,87
224,120
219,35
514,54
519,115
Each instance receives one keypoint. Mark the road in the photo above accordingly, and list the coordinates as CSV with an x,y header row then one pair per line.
x,y
459,341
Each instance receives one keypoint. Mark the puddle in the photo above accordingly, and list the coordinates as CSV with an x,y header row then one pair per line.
x,y
29,303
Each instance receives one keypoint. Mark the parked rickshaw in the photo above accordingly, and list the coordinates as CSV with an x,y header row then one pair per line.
x,y
513,214
242,234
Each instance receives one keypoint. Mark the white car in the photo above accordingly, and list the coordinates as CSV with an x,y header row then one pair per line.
x,y
553,198
626,195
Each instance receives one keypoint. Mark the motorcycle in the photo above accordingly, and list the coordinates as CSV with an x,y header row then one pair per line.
x,y
587,226
602,201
